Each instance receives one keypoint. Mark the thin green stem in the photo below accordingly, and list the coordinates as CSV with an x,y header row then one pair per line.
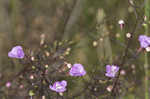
x,y
146,77
147,15
13,6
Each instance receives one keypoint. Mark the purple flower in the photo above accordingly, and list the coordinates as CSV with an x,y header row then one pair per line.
x,y
111,70
77,70
16,52
59,86
144,41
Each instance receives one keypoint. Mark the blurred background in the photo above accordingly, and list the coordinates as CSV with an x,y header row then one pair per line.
x,y
93,24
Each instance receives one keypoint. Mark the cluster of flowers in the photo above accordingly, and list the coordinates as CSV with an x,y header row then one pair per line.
x,y
111,70
76,70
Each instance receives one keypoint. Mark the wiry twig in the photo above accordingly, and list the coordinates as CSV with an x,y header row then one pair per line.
x,y
137,25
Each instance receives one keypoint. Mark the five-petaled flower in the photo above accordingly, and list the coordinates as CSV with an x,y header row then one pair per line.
x,y
144,41
111,70
77,70
59,86
16,52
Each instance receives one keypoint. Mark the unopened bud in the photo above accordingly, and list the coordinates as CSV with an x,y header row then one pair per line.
x,y
147,49
8,84
128,35
109,88
121,23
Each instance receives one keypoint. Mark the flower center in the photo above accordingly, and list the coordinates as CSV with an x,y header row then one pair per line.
x,y
58,86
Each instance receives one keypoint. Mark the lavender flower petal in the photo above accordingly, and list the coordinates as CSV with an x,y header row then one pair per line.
x,y
59,86
144,41
77,70
111,70
16,52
